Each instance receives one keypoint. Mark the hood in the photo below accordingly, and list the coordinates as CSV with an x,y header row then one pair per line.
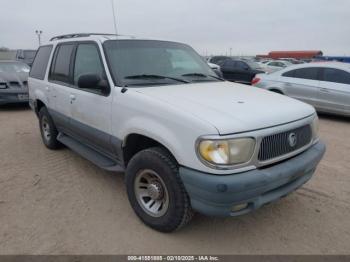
x,y
231,107
6,77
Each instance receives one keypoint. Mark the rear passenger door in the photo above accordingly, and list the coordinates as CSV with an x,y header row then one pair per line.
x,y
91,108
335,90
60,85
302,84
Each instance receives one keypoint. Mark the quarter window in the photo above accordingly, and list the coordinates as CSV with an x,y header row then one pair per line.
x,y
336,76
289,73
311,73
40,63
60,69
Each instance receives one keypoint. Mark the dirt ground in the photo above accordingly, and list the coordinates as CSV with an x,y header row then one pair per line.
x,y
55,202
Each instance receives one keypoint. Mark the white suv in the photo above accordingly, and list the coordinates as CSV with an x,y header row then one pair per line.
x,y
186,139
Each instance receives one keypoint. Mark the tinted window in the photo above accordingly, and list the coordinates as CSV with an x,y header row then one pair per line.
x,y
87,61
336,76
40,62
307,73
229,63
289,73
241,65
61,66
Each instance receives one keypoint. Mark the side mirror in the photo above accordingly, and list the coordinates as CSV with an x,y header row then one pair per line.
x,y
93,81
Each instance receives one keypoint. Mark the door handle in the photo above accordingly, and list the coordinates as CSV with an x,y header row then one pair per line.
x,y
47,88
325,90
72,98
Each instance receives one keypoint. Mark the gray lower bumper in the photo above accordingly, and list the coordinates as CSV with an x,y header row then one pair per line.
x,y
215,195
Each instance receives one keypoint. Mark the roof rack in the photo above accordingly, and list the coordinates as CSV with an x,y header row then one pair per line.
x,y
78,35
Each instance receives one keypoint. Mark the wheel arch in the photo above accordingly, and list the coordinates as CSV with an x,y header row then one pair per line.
x,y
276,90
135,142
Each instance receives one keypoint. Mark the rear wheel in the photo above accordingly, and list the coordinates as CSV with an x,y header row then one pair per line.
x,y
156,192
48,129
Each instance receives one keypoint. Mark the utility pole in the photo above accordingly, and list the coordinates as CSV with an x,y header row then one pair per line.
x,y
230,51
38,33
114,18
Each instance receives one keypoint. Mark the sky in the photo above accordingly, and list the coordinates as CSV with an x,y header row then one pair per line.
x,y
242,27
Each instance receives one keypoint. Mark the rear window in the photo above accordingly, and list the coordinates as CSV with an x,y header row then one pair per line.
x,y
40,62
336,76
60,69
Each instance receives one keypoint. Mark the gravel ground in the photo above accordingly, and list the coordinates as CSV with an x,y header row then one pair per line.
x,y
55,202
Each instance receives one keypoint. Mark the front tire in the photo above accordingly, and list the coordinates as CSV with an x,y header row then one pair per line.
x,y
48,129
156,192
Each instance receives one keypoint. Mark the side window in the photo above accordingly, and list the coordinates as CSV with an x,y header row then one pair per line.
x,y
336,76
40,63
310,73
60,69
87,61
289,73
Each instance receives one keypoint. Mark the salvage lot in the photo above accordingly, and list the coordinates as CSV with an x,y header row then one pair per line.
x,y
55,202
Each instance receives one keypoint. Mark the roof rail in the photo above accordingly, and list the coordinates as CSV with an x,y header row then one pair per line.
x,y
78,35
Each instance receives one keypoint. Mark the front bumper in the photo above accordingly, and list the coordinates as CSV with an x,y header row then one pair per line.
x,y
216,195
13,96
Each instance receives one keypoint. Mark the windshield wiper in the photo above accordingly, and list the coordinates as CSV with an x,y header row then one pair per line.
x,y
203,75
146,76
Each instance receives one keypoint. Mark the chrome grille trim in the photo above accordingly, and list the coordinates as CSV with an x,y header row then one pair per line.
x,y
277,145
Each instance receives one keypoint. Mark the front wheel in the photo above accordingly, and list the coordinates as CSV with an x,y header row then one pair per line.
x,y
156,192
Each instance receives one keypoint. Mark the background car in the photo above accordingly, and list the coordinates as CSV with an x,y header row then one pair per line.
x,y
217,59
273,66
326,85
216,68
239,70
13,82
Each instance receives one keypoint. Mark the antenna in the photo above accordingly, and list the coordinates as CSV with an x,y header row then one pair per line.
x,y
114,19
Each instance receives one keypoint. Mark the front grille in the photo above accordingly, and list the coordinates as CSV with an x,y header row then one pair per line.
x,y
281,144
14,84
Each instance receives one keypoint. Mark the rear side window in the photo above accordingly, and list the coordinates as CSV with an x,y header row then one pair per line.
x,y
336,76
40,62
311,73
61,66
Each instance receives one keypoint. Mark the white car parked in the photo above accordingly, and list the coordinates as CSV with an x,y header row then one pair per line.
x,y
324,85
186,139
275,65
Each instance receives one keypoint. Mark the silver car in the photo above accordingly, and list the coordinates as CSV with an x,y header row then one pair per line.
x,y
13,82
326,86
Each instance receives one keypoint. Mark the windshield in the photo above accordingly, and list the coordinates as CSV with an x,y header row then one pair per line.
x,y
13,67
149,62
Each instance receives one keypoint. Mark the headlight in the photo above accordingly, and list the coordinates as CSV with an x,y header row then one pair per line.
x,y
227,152
315,126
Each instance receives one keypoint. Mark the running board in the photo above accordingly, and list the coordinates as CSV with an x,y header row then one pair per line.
x,y
90,154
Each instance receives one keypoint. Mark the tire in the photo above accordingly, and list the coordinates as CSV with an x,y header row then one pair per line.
x,y
155,168
48,130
